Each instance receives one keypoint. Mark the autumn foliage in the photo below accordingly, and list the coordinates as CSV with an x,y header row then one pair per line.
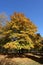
x,y
19,33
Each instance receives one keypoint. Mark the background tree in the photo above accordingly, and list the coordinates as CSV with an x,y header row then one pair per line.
x,y
3,20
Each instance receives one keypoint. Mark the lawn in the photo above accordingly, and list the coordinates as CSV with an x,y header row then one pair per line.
x,y
27,59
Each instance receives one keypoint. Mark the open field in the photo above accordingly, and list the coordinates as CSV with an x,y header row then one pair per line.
x,y
26,59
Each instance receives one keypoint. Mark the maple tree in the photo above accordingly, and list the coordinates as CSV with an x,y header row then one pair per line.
x,y
19,33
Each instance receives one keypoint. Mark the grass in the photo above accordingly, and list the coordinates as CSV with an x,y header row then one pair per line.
x,y
19,60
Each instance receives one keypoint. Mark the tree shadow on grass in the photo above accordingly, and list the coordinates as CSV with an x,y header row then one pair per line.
x,y
40,60
15,56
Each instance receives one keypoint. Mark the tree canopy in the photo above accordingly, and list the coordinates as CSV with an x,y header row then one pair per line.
x,y
19,33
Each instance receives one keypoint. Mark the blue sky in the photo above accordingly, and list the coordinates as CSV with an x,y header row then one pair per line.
x,y
32,9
